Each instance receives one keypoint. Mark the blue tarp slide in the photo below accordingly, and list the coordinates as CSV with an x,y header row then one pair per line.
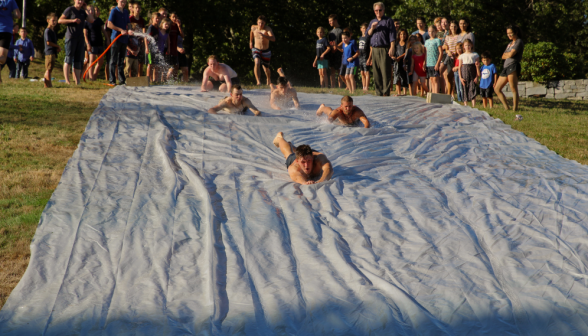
x,y
439,220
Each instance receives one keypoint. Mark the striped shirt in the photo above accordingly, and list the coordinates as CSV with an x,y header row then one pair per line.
x,y
451,42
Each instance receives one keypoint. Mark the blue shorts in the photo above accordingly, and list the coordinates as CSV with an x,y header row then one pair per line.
x,y
322,64
74,52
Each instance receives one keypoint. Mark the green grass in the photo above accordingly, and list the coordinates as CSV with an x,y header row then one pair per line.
x,y
40,129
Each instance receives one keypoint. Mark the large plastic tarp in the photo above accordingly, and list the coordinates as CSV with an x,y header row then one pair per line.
x,y
439,220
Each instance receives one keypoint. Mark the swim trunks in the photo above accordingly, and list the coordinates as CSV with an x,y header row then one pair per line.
x,y
264,55
217,83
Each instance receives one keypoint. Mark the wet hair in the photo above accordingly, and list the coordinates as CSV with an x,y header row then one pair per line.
x,y
302,151
236,87
49,17
347,99
398,35
469,28
262,18
283,81
486,54
365,24
334,17
516,30
381,4
470,42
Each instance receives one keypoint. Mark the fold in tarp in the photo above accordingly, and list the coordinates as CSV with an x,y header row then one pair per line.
x,y
438,220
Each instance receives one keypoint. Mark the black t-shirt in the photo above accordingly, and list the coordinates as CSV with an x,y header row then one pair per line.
x,y
321,47
153,32
364,47
95,32
50,36
335,37
75,30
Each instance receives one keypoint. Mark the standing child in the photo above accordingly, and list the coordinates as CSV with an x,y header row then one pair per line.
x,y
51,48
434,54
408,63
94,42
417,68
150,54
488,79
457,80
365,57
132,57
135,17
24,54
469,72
162,46
320,62
350,59
400,76
182,60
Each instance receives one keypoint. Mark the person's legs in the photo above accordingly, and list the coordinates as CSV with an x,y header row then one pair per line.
x,y
332,73
257,70
424,87
434,84
324,109
491,101
379,69
268,74
121,62
3,59
513,80
18,69
322,77
500,84
92,73
11,67
284,146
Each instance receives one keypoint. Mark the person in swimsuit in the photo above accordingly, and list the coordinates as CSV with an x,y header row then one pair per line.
x,y
235,104
347,114
305,166
283,93
259,39
218,76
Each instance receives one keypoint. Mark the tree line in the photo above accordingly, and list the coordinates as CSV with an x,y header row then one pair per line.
x,y
221,27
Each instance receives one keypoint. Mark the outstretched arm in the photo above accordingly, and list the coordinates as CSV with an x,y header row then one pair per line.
x,y
222,104
334,115
252,107
327,168
295,99
204,77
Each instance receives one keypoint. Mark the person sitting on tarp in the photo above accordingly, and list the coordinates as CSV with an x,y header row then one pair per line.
x,y
304,165
235,104
283,95
218,76
347,114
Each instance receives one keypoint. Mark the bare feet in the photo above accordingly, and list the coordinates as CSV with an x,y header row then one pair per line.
x,y
280,135
319,112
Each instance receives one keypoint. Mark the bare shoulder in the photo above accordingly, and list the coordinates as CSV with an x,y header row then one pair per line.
x,y
358,110
268,28
253,27
320,157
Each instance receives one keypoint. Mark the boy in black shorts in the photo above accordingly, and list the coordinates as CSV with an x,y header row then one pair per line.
x,y
488,79
365,57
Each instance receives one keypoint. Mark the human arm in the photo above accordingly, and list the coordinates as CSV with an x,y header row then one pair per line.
x,y
327,51
269,35
252,107
439,59
221,105
251,37
113,27
31,50
295,99
204,79
88,46
315,63
334,115
495,79
477,71
350,59
411,68
373,26
459,70
365,121
369,60
180,31
515,49
392,36
327,168
64,20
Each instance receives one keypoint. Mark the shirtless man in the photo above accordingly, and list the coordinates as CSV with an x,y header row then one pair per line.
x,y
304,165
283,93
348,114
218,76
235,104
262,34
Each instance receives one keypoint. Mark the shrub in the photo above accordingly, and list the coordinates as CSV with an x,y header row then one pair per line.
x,y
544,61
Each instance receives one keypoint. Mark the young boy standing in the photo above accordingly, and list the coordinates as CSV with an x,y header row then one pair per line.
x,y
488,80
132,59
322,50
365,57
24,54
350,60
150,55
142,26
119,22
51,48
434,51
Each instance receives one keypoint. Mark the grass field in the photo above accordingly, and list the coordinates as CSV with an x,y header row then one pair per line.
x,y
40,129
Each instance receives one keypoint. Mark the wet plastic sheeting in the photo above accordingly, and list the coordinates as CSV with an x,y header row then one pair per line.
x,y
439,220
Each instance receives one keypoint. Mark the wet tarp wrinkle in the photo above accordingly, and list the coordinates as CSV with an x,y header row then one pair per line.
x,y
439,220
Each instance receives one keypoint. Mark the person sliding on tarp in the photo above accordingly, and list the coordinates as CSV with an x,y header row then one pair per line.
x,y
235,104
304,165
283,93
348,114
